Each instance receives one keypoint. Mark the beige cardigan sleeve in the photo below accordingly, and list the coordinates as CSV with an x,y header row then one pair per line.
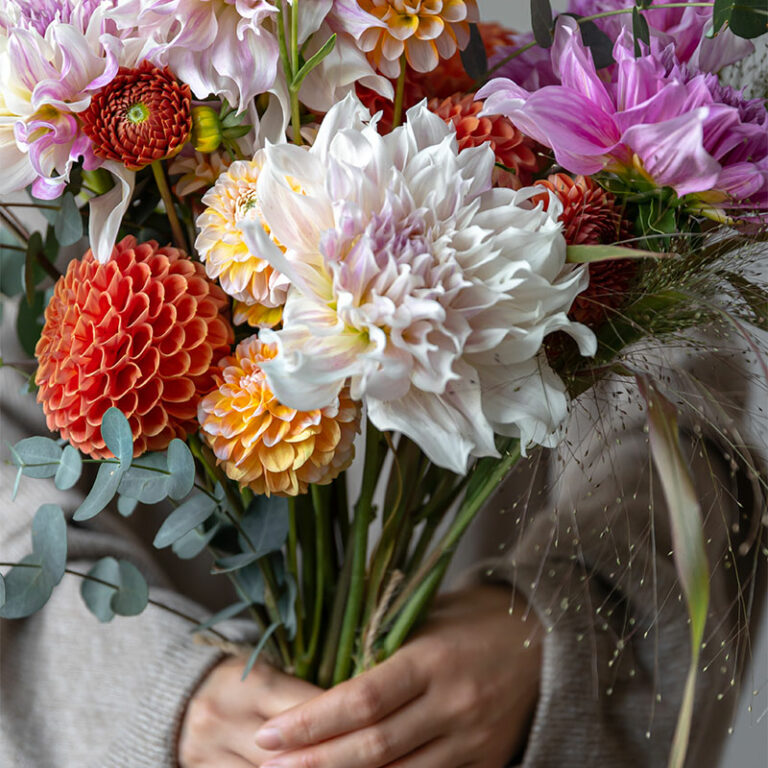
x,y
595,565
75,693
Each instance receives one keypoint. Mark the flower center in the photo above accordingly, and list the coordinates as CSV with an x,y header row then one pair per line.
x,y
137,113
246,202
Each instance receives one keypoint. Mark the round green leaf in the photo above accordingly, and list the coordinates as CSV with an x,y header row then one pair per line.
x,y
49,541
68,225
147,479
126,506
103,491
132,597
37,456
27,589
181,465
193,543
70,468
266,523
98,596
117,434
184,518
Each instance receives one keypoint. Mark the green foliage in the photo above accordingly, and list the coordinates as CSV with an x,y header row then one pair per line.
x,y
114,587
117,434
29,322
181,466
68,224
542,21
312,62
259,648
193,543
28,585
223,615
70,468
473,57
11,266
640,31
589,254
2,591
266,523
37,457
186,517
745,18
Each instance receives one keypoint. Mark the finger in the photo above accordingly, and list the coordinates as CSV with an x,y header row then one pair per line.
x,y
273,692
231,760
438,752
373,747
352,705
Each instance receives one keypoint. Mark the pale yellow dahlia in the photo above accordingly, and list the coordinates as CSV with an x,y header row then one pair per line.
x,y
265,445
243,274
424,30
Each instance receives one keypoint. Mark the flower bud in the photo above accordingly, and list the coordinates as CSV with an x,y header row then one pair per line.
x,y
206,129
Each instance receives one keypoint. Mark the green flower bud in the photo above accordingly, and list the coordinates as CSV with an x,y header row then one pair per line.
x,y
206,129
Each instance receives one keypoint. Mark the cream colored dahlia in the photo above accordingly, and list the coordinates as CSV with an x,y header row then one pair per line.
x,y
242,273
265,445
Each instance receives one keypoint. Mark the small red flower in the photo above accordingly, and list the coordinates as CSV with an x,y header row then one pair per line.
x,y
512,149
592,216
143,333
143,115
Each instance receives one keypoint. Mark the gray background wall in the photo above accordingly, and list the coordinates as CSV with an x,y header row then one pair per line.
x,y
747,747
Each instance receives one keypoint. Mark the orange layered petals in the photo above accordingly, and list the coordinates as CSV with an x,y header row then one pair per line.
x,y
592,216
265,445
139,333
513,149
423,30
143,115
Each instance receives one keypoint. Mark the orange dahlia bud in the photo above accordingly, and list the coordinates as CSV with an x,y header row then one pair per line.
x,y
139,333
592,216
143,115
265,445
512,149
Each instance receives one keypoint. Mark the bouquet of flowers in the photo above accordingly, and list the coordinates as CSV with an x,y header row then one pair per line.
x,y
322,226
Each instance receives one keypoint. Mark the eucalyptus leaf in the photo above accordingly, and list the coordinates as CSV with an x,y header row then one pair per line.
x,y
193,543
37,456
70,468
181,465
34,251
542,21
226,613
11,266
2,591
49,542
147,480
29,322
116,433
265,524
286,605
69,222
27,589
193,512
250,584
126,506
259,648
103,491
132,597
234,562
98,596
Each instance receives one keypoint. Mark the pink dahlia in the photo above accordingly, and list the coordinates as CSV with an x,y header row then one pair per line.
x,y
654,119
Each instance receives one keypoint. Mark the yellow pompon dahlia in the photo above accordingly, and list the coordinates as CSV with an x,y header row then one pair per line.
x,y
241,273
265,445
425,30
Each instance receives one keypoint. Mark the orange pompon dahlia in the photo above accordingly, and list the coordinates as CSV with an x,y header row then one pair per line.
x,y
143,115
139,333
265,445
592,216
425,30
512,148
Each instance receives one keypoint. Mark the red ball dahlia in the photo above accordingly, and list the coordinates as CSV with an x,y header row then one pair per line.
x,y
140,333
512,148
592,216
143,115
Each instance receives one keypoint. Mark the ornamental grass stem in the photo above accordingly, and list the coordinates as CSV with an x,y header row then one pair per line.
x,y
170,209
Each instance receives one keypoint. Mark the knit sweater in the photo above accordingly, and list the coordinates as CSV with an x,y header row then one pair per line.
x,y
591,557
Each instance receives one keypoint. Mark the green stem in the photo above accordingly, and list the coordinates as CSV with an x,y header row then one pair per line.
x,y
270,599
14,226
87,577
358,554
170,209
397,114
331,644
293,565
295,36
477,495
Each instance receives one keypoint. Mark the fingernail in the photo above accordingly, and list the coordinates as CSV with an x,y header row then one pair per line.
x,y
270,738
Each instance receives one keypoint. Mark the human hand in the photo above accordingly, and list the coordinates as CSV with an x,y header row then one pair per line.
x,y
460,694
222,715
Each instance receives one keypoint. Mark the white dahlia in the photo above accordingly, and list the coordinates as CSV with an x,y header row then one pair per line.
x,y
416,282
